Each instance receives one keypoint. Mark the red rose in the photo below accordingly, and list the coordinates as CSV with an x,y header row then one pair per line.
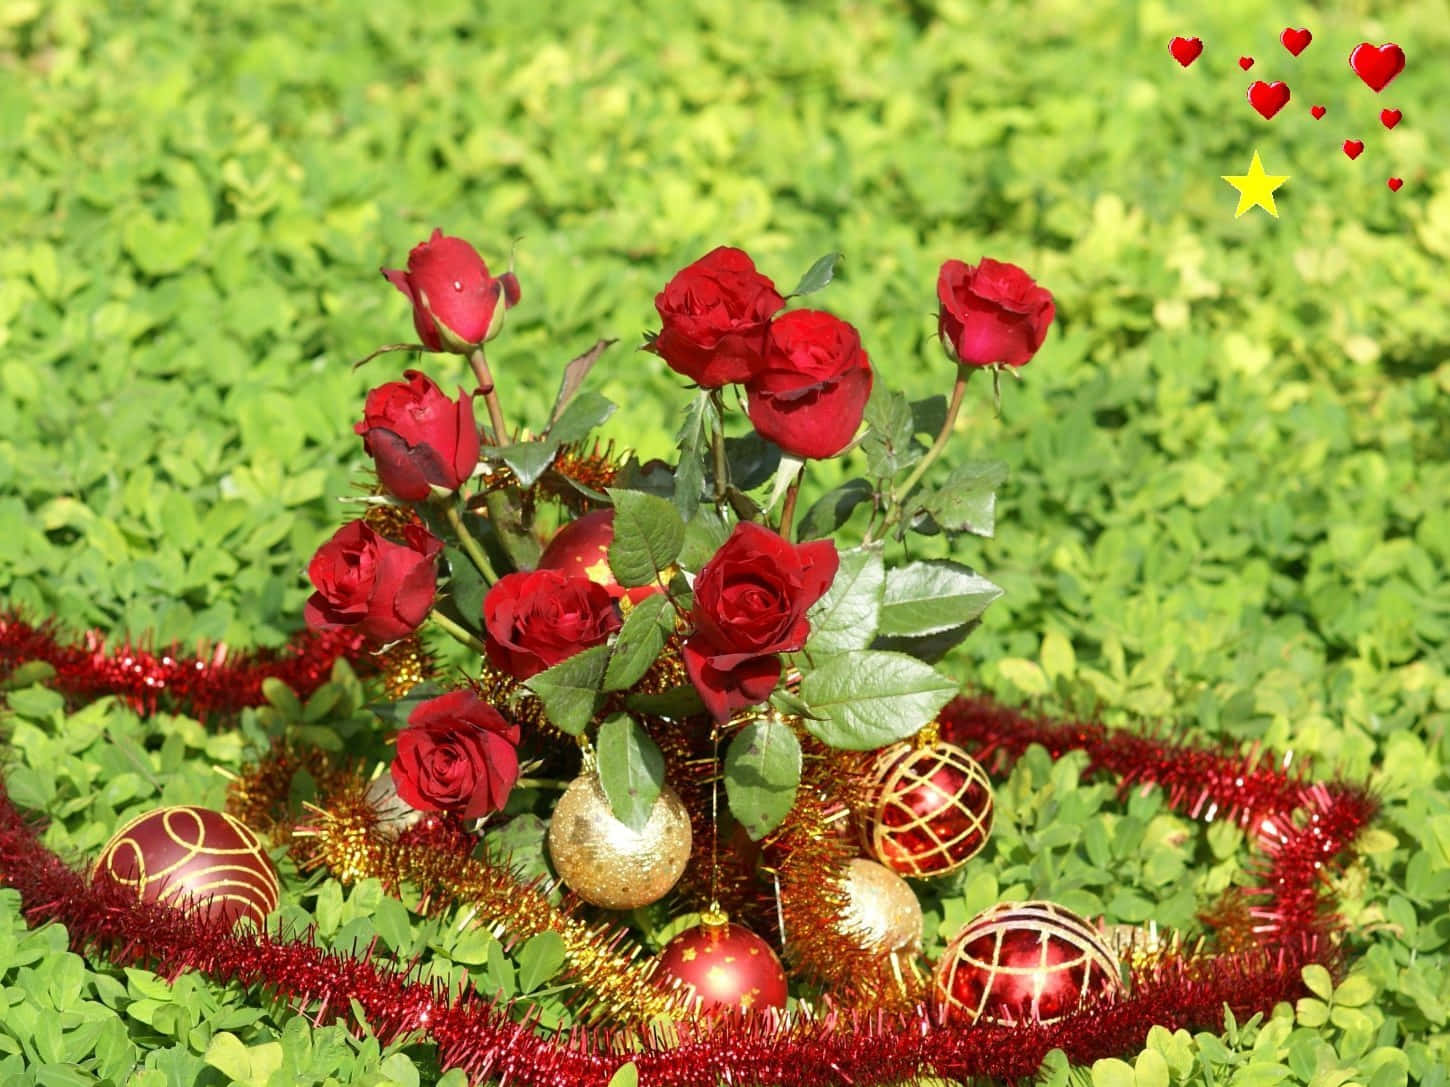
x,y
751,601
455,300
992,313
418,437
383,589
811,391
534,619
457,754
714,316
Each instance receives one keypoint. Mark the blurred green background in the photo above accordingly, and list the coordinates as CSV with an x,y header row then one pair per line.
x,y
1230,462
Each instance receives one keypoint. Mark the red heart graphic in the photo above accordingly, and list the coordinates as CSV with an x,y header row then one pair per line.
x,y
1185,50
1296,41
1268,98
1318,111
1246,63
1352,148
1390,117
1394,183
1377,66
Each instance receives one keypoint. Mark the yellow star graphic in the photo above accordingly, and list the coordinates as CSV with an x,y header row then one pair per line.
x,y
1256,187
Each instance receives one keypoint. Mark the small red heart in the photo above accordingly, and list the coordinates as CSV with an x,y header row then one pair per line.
x,y
1352,148
1390,117
1377,66
1185,50
1318,111
1296,41
1394,183
1268,98
1246,63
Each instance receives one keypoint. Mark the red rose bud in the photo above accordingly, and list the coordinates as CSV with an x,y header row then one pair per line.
x,y
382,589
992,313
458,754
751,601
534,619
810,394
457,305
714,315
581,549
418,438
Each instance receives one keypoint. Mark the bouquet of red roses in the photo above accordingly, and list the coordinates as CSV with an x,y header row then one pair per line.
x,y
742,692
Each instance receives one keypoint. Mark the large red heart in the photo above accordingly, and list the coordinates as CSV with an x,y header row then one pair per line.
x,y
1296,41
1185,50
1390,117
1377,66
1394,183
1352,148
1268,98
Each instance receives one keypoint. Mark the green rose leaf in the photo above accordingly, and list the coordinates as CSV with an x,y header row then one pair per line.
x,y
932,596
967,500
888,445
631,770
752,460
848,615
693,442
585,413
762,772
833,509
868,699
640,640
648,535
928,416
527,459
574,374
704,533
675,702
466,590
570,689
817,276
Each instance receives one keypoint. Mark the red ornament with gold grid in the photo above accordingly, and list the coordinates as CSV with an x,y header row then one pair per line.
x,y
1023,961
930,809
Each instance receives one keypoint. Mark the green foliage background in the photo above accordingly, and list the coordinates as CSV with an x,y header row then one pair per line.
x,y
1227,507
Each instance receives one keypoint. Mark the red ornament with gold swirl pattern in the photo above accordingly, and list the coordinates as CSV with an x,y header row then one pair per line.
x,y
192,856
930,810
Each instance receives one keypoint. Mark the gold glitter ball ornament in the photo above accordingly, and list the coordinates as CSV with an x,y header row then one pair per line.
x,y
882,912
607,864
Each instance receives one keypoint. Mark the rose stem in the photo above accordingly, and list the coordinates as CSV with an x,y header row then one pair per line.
x,y
490,393
898,496
717,446
456,632
787,511
469,544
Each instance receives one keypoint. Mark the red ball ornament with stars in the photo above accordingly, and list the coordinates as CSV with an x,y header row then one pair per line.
x,y
930,810
730,968
581,549
1023,961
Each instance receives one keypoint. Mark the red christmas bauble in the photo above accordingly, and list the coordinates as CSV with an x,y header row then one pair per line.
x,y
581,549
194,856
729,967
931,808
1023,961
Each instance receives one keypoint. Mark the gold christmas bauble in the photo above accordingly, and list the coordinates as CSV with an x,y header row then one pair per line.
x,y
882,912
607,864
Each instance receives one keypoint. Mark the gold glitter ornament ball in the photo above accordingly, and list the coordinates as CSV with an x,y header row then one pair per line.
x,y
607,864
882,912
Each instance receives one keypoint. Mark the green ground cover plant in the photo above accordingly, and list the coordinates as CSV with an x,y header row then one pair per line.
x,y
1226,508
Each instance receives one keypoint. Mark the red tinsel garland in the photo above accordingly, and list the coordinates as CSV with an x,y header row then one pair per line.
x,y
1303,829
205,683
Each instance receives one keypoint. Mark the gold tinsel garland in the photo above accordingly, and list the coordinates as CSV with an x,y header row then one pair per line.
x,y
344,836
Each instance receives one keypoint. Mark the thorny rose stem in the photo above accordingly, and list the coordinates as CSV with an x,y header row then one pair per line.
x,y
479,363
